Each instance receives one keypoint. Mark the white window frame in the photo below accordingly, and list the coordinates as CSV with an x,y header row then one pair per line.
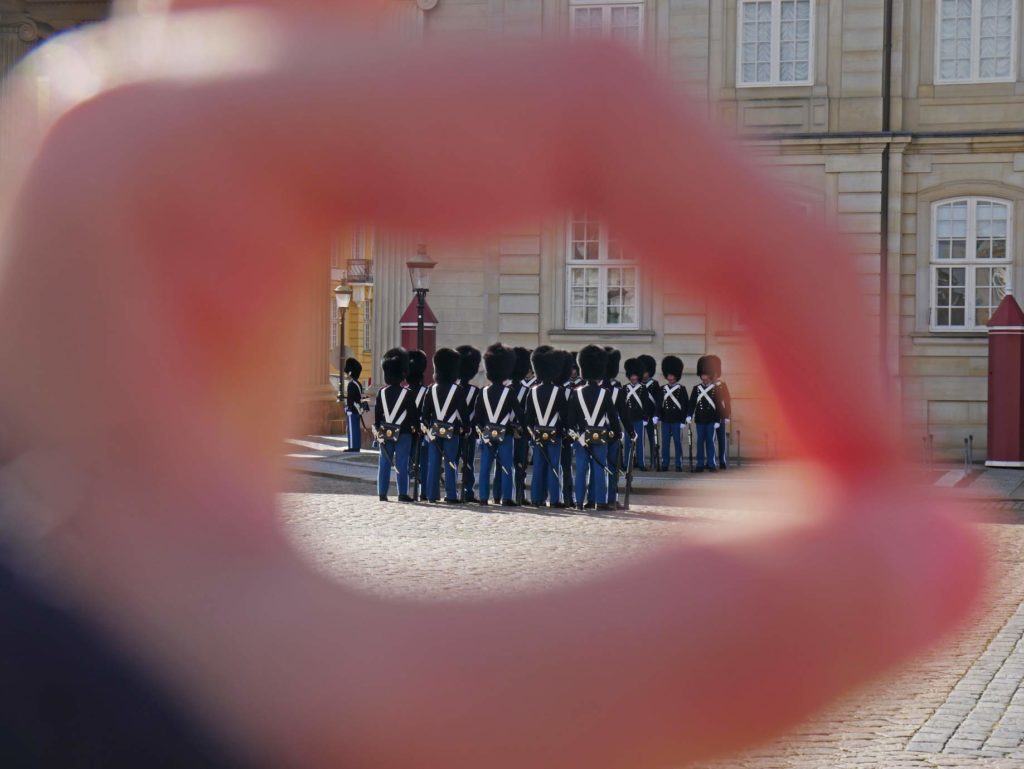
x,y
976,47
602,264
606,16
368,325
776,44
968,263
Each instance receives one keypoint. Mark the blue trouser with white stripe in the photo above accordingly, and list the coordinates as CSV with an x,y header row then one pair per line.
x,y
500,451
444,452
723,445
355,435
400,461
706,445
614,462
546,483
588,462
671,432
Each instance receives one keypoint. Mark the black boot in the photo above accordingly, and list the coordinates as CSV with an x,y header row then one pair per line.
x,y
384,498
405,498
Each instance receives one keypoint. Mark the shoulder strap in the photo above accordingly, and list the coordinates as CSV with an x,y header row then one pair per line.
x,y
390,414
492,414
544,417
439,412
588,415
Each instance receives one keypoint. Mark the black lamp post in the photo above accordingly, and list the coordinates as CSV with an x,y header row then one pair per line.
x,y
343,296
419,273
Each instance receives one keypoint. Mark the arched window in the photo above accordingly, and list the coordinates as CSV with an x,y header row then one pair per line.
x,y
971,261
974,41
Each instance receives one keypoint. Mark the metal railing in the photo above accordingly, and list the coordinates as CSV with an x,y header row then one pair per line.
x,y
359,271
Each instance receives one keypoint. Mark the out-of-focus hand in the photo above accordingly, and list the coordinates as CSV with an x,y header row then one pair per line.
x,y
170,221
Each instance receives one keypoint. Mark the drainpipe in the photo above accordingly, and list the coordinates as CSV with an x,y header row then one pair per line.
x,y
883,285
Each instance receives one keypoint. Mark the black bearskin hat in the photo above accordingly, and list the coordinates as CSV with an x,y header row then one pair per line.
x,y
568,364
498,362
632,367
395,364
446,365
522,367
469,362
670,364
648,365
710,365
547,363
353,368
614,360
592,361
417,367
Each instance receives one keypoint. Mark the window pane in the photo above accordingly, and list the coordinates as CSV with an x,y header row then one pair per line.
x,y
795,34
956,317
756,34
585,238
955,40
996,38
942,317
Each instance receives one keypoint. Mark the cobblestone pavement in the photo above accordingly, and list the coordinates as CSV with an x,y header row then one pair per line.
x,y
960,706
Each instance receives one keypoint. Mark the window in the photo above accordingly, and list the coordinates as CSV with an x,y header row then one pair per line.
x,y
971,268
601,280
974,40
367,325
775,42
357,243
619,21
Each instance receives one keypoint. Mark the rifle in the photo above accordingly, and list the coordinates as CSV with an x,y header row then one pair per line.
x,y
519,460
657,446
416,463
689,435
629,472
465,453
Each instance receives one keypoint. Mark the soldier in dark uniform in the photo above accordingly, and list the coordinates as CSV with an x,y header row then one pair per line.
x,y
722,433
648,368
417,369
444,419
675,403
565,377
706,411
589,418
469,367
521,449
544,417
616,454
639,408
496,419
354,404
394,423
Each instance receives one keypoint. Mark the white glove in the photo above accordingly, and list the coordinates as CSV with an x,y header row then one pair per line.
x,y
717,425
655,420
727,420
645,423
582,440
689,419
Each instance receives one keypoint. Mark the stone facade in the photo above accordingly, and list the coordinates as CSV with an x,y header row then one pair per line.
x,y
827,141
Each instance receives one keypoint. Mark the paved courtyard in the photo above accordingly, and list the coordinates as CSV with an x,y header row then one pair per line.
x,y
961,706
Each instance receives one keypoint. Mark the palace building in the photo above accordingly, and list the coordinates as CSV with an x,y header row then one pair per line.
x,y
900,121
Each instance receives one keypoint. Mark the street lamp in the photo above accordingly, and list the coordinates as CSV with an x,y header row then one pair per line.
x,y
419,273
343,296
